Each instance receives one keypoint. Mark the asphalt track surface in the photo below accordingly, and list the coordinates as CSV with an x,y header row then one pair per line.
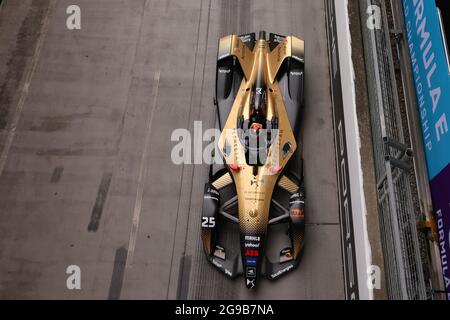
x,y
86,118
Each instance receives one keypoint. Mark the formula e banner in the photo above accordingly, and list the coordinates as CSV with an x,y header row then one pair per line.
x,y
432,80
440,191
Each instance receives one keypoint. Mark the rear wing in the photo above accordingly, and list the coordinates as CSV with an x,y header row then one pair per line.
x,y
282,47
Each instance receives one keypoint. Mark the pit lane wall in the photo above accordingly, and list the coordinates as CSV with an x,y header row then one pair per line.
x,y
432,82
356,248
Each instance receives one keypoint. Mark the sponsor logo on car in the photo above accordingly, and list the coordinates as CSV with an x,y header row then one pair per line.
x,y
252,262
251,272
280,272
297,213
253,213
286,255
296,73
246,38
252,238
278,39
251,253
251,245
251,283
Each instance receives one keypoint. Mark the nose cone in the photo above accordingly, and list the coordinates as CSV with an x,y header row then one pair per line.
x,y
251,259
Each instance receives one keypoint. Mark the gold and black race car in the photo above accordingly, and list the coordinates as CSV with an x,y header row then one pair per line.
x,y
253,220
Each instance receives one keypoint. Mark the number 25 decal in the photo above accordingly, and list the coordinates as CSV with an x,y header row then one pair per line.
x,y
208,222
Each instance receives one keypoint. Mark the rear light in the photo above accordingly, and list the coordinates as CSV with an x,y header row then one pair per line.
x,y
276,169
235,167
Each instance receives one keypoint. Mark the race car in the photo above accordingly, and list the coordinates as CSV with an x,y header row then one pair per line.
x,y
254,200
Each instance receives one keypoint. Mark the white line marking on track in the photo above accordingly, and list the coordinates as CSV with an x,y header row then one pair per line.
x,y
17,112
142,175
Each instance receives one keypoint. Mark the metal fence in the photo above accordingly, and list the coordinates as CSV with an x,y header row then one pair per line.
x,y
403,265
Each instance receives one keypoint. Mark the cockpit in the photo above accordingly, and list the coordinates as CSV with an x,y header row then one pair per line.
x,y
257,132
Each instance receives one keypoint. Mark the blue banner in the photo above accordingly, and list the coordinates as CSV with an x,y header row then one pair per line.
x,y
432,80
